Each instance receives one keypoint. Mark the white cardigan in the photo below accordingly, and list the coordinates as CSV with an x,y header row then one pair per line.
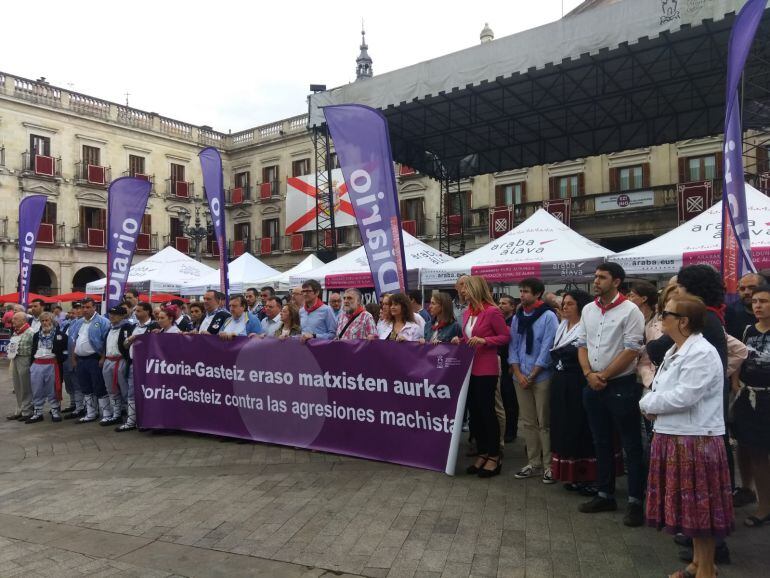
x,y
687,392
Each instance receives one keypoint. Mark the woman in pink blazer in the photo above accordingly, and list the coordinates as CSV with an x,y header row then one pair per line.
x,y
484,329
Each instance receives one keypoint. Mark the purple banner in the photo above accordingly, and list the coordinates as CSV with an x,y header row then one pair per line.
x,y
211,165
736,245
31,211
301,395
362,144
126,203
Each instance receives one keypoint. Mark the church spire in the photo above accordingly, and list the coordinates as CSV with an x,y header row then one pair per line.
x,y
364,61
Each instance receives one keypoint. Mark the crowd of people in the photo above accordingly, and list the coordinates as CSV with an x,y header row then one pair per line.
x,y
653,383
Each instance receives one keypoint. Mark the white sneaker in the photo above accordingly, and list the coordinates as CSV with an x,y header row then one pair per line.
x,y
526,472
548,476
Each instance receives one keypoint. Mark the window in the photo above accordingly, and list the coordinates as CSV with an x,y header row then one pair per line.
x,y
414,210
460,204
93,222
567,186
49,213
176,228
177,173
334,161
39,145
242,180
270,174
135,165
513,194
702,168
629,178
300,167
146,225
91,156
47,230
241,231
271,228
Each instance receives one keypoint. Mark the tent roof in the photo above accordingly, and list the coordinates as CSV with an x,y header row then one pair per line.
x,y
240,270
282,280
167,270
622,75
352,269
542,246
699,241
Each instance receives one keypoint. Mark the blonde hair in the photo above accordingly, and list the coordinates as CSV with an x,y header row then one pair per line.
x,y
665,296
478,291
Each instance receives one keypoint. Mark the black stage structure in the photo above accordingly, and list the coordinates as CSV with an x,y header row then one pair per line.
x,y
647,90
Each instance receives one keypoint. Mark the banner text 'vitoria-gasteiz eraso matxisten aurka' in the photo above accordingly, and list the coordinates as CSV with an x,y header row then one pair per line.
x,y
381,400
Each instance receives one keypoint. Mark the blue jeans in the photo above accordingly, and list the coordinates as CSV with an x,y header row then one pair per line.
x,y
90,376
616,407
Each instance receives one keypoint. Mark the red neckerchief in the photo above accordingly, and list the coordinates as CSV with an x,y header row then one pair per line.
x,y
315,305
719,311
532,307
438,325
21,329
357,312
619,298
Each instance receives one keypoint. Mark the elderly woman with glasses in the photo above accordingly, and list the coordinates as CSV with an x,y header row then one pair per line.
x,y
688,488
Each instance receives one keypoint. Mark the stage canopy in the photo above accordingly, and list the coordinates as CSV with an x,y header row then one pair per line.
x,y
542,246
699,241
614,75
167,271
352,269
240,271
282,281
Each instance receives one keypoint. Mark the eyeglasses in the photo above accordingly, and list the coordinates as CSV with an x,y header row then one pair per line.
x,y
307,291
672,314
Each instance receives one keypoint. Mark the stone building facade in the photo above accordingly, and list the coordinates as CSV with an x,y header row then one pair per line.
x,y
68,146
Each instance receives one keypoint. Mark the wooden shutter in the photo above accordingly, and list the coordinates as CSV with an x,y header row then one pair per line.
x,y
719,170
552,193
147,224
83,225
646,175
614,179
581,178
499,195
762,160
683,176
102,219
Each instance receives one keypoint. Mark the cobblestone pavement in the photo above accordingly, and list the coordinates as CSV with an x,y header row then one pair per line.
x,y
81,500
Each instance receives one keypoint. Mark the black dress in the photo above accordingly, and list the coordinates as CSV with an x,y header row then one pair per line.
x,y
751,411
572,448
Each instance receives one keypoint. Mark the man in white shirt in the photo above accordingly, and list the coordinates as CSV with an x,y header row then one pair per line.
x,y
610,337
215,316
272,320
35,309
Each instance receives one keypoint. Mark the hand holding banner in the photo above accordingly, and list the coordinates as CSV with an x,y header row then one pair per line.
x,y
126,203
361,140
736,245
211,166
30,214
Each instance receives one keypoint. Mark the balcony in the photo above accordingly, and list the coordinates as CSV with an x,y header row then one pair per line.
x,y
269,191
40,166
92,175
268,245
181,244
50,234
180,190
147,243
238,196
239,247
149,178
88,238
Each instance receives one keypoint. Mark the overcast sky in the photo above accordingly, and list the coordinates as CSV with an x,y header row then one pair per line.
x,y
235,65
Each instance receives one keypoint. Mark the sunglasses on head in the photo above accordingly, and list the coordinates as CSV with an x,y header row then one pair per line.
x,y
672,314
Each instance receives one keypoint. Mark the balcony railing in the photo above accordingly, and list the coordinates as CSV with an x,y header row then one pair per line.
x,y
88,237
181,244
147,243
150,178
237,248
2,156
4,228
179,189
92,175
238,195
50,234
40,165
269,190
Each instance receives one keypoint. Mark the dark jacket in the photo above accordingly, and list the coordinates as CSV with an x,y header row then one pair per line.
x,y
217,322
445,334
59,344
737,317
185,324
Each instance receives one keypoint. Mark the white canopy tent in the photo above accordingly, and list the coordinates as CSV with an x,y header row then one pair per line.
x,y
240,272
352,269
699,241
542,246
166,271
282,281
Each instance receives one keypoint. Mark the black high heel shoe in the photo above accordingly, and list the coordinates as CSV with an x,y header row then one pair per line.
x,y
485,473
474,469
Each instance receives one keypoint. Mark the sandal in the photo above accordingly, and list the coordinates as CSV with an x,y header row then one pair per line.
x,y
475,469
683,573
755,522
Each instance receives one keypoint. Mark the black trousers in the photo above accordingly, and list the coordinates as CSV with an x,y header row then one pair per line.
x,y
481,405
510,402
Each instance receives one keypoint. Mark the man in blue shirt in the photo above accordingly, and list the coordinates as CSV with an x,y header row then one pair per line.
x,y
533,330
241,322
316,318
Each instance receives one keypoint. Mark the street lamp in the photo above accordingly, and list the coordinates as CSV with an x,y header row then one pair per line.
x,y
197,232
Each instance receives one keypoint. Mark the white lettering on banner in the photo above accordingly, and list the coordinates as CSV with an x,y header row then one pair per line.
x,y
29,240
376,237
120,265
